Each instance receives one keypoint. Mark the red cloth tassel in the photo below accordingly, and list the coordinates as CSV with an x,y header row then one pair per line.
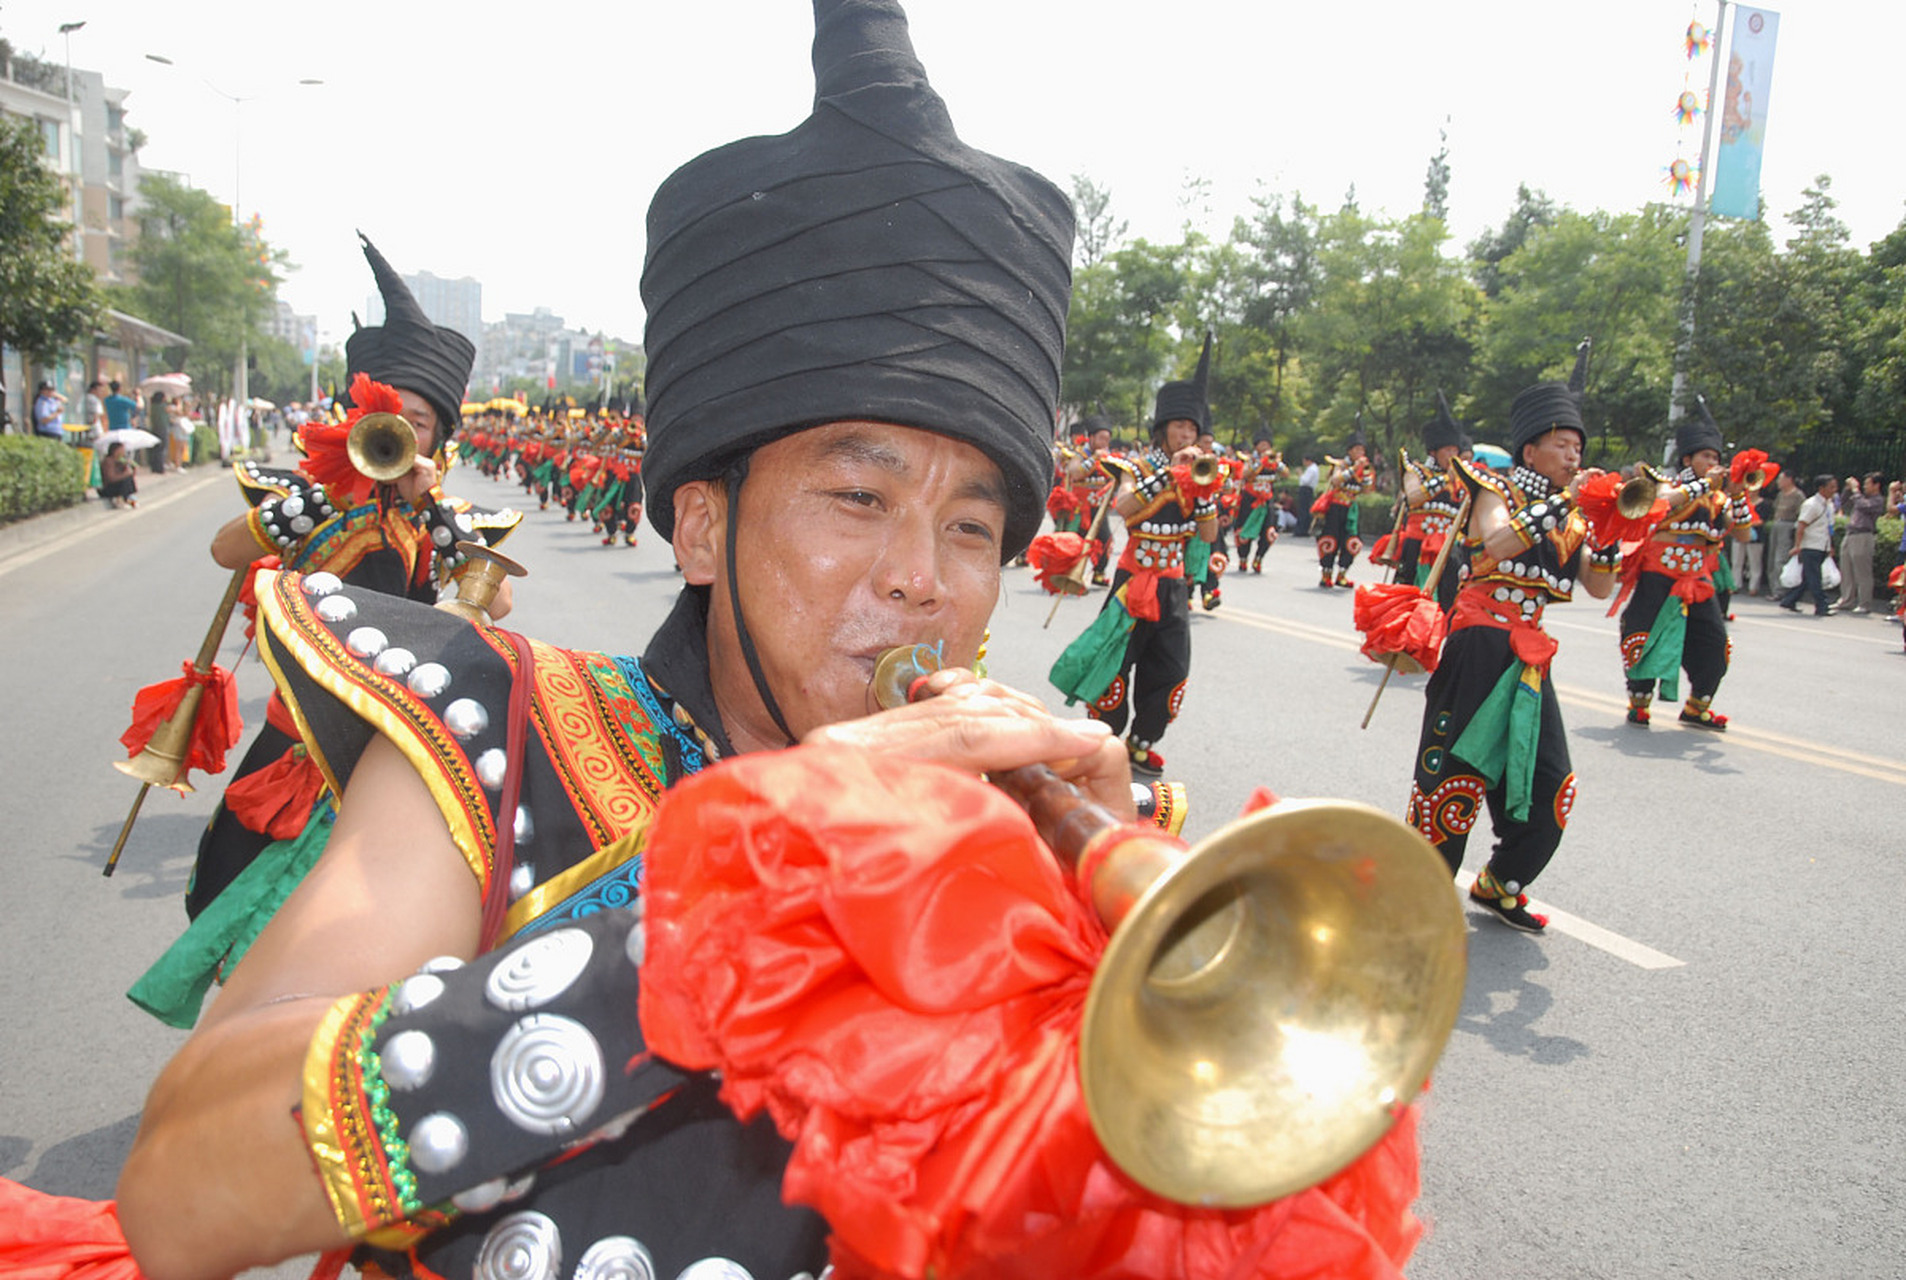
x,y
1063,502
1398,618
215,730
248,593
276,800
882,955
325,458
1597,500
1053,555
46,1237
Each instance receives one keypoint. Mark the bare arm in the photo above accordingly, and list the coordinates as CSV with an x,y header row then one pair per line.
x,y
219,1178
234,546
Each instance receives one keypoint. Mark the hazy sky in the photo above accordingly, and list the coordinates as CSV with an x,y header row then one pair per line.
x,y
522,150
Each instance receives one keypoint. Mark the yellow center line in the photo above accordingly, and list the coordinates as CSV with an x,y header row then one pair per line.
x,y
1766,741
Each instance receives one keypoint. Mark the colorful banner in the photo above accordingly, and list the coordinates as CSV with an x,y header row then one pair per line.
x,y
1750,74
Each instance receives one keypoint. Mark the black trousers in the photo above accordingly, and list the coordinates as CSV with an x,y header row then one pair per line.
x,y
1151,683
1335,542
1704,651
1448,793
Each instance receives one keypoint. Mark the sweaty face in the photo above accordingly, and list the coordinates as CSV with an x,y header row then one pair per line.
x,y
1557,456
853,537
423,420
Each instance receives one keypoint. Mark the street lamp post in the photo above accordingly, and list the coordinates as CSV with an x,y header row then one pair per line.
x,y
241,373
73,174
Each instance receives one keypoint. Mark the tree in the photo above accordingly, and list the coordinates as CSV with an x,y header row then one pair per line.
x,y
1615,278
1487,252
1436,181
1098,231
1119,331
201,277
48,299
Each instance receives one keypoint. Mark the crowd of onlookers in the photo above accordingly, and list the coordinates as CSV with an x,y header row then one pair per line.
x,y
1811,533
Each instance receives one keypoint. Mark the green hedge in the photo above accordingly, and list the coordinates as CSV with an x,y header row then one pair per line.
x,y
38,475
204,444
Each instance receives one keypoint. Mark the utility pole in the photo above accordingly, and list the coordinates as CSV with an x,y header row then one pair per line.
x,y
1697,224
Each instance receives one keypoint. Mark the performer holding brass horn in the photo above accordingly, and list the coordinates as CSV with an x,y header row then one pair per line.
x,y
1434,495
362,508
1674,621
1492,727
1134,660
833,488
1337,540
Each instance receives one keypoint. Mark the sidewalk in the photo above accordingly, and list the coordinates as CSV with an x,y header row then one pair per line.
x,y
24,536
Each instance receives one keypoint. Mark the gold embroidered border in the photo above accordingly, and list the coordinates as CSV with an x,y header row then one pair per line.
x,y
597,765
573,879
381,703
336,1119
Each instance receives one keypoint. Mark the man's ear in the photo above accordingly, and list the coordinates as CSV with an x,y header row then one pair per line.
x,y
701,526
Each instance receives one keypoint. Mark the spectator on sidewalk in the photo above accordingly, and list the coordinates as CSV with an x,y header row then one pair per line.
x,y
49,407
159,423
1813,539
1856,551
1787,500
120,408
116,483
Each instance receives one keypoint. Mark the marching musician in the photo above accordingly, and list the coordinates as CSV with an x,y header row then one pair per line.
x,y
1674,621
1433,492
1337,541
1492,727
1165,510
1256,525
403,546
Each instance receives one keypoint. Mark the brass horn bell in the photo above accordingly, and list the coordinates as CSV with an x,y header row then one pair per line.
x,y
1204,469
382,446
1270,1000
1636,497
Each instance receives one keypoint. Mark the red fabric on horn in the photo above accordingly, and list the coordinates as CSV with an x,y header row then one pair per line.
x,y
215,730
45,1237
325,458
1053,555
883,956
1398,618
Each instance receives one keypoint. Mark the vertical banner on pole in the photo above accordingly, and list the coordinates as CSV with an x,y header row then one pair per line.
x,y
1750,73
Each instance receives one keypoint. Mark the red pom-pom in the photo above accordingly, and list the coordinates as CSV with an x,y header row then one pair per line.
x,y
1598,498
1053,556
1399,618
325,459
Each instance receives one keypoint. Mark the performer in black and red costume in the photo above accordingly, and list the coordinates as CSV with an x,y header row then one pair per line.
x,y
1336,508
1434,494
1673,621
1492,727
435,1049
1256,526
1144,627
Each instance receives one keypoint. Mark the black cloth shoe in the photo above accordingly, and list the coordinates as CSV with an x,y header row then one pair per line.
x,y
1510,908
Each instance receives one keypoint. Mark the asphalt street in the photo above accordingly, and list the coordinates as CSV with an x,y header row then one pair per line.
x,y
1696,1073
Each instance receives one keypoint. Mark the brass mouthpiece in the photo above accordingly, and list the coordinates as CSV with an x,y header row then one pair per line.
x,y
382,446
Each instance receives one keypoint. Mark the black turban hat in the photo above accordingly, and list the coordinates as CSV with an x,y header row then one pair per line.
x,y
1698,432
1442,431
409,352
865,265
1187,400
1540,409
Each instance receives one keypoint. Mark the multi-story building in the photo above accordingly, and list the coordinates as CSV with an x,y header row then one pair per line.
x,y
456,304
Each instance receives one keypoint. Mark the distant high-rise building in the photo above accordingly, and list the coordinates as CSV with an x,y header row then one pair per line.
x,y
456,304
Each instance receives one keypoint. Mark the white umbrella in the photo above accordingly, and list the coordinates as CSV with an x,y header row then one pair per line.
x,y
261,404
131,437
173,384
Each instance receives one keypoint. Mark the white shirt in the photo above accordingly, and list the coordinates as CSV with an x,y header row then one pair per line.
x,y
1309,479
1817,515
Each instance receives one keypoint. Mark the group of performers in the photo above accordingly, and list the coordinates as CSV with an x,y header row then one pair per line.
x,y
587,461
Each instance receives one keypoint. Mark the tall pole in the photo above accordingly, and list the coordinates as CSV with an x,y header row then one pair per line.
x,y
74,176
1697,224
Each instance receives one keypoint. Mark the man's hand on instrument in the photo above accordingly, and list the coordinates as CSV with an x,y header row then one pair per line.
x,y
421,479
980,726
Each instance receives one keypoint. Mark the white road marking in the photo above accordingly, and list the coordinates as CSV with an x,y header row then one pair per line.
x,y
1638,954
82,532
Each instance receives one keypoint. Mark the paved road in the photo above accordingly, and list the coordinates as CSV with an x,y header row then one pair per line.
x,y
1695,1075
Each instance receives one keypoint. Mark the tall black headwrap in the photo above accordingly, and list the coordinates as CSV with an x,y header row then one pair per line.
x,y
409,352
1186,401
865,265
1698,432
1442,431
